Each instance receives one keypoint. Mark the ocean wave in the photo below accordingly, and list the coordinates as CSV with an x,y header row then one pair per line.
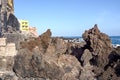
x,y
115,45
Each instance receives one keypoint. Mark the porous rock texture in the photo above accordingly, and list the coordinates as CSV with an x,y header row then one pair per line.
x,y
112,68
43,58
51,58
105,60
99,45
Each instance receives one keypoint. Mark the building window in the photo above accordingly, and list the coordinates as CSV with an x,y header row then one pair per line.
x,y
22,22
25,22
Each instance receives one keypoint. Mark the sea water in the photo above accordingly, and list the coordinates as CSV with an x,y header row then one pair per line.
x,y
114,39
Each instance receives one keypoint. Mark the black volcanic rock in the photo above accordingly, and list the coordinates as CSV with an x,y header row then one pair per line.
x,y
12,24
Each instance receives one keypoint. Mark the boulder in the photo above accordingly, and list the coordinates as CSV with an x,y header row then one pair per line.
x,y
44,58
42,42
112,69
86,57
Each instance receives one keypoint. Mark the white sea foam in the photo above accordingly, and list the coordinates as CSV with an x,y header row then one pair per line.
x,y
115,45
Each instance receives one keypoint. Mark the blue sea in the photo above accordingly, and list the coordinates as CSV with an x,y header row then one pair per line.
x,y
115,39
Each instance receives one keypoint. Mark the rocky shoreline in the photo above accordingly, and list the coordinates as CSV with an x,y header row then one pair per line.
x,y
48,58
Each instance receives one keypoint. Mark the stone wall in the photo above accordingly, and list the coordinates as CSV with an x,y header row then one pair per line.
x,y
7,53
15,38
7,49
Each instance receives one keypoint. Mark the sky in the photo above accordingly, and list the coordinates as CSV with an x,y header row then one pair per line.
x,y
70,17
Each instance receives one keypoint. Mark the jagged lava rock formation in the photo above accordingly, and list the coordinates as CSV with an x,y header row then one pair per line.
x,y
43,58
51,58
103,59
99,44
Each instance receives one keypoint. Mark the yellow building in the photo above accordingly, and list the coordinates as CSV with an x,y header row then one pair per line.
x,y
24,25
26,29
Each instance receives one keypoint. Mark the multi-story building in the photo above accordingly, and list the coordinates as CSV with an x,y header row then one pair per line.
x,y
26,29
24,25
